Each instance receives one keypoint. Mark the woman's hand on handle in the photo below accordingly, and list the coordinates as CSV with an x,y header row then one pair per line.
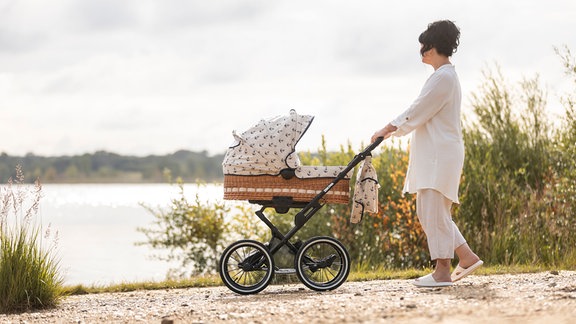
x,y
384,132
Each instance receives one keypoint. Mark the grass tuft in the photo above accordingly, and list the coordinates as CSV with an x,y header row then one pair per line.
x,y
29,270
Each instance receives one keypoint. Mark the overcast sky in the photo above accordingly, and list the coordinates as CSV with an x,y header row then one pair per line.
x,y
140,77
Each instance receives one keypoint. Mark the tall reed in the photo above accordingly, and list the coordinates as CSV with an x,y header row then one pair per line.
x,y
511,211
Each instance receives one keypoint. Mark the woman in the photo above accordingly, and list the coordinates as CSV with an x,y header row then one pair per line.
x,y
437,155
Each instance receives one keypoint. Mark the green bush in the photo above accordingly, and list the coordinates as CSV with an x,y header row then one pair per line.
x,y
192,233
392,238
29,269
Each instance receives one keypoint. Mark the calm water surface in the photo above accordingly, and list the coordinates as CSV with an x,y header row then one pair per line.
x,y
97,223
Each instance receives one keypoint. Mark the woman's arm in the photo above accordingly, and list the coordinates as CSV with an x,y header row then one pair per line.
x,y
432,99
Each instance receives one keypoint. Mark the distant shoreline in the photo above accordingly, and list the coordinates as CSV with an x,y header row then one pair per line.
x,y
107,167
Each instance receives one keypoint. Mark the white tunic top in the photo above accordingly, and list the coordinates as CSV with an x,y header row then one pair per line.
x,y
436,147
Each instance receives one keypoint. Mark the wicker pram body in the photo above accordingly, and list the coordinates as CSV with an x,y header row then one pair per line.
x,y
262,164
268,187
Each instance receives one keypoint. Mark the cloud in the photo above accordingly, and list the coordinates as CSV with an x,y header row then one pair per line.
x,y
145,76
103,15
185,13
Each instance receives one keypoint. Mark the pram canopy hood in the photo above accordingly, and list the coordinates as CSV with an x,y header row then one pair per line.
x,y
268,147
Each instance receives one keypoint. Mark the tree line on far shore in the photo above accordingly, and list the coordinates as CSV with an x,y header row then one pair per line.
x,y
107,167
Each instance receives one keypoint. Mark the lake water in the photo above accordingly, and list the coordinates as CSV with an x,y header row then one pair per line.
x,y
97,223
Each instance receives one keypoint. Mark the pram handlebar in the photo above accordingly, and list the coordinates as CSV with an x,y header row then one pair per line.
x,y
374,144
361,156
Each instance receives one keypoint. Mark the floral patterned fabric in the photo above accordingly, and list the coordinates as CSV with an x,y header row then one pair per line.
x,y
305,171
365,191
269,147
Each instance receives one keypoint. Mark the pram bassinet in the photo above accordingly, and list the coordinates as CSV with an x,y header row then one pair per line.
x,y
262,164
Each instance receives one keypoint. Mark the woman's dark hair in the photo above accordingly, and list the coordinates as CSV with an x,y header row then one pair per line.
x,y
443,35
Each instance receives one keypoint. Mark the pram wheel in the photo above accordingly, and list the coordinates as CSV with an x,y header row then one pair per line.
x,y
246,267
322,263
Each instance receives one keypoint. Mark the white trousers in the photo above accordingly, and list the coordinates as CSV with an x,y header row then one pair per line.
x,y
433,209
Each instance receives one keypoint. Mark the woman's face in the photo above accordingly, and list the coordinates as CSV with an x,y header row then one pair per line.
x,y
426,56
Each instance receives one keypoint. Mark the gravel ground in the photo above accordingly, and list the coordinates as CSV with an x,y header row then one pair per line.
x,y
517,298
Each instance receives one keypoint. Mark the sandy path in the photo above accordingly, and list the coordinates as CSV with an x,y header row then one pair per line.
x,y
519,298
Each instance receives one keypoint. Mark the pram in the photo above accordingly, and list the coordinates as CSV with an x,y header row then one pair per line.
x,y
262,167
